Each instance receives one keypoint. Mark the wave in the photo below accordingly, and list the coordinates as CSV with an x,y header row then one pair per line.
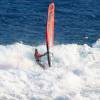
x,y
74,75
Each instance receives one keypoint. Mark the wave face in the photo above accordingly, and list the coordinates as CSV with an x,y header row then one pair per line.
x,y
74,75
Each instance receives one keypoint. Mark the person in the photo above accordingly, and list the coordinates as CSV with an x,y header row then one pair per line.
x,y
38,57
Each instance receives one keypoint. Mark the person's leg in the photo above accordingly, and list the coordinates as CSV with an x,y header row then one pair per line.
x,y
41,65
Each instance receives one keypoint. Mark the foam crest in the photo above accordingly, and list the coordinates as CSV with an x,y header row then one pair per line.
x,y
74,75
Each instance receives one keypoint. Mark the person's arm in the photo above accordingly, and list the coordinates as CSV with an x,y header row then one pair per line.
x,y
43,54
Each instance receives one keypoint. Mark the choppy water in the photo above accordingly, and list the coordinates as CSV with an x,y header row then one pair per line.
x,y
76,21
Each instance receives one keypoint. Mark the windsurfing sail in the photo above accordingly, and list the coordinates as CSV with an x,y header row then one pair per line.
x,y
50,30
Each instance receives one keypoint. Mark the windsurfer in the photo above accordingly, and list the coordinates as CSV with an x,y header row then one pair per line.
x,y
38,57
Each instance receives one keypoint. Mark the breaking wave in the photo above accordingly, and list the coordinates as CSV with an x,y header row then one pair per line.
x,y
74,75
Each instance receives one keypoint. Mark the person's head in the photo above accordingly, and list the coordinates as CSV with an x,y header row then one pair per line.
x,y
36,50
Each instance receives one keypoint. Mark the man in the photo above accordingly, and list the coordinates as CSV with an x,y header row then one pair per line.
x,y
38,57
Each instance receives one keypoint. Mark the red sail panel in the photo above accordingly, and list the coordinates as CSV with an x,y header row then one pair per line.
x,y
50,25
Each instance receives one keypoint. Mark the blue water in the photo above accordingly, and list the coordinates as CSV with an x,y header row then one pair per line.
x,y
76,21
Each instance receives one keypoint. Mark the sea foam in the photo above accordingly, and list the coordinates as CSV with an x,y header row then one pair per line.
x,y
74,75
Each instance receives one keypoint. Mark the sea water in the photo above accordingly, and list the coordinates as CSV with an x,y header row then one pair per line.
x,y
75,71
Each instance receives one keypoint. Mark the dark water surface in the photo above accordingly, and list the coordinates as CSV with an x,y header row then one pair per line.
x,y
76,21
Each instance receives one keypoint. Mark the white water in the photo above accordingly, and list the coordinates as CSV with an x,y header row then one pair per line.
x,y
74,75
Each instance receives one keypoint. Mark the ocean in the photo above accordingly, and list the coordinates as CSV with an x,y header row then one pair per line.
x,y
75,71
76,21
